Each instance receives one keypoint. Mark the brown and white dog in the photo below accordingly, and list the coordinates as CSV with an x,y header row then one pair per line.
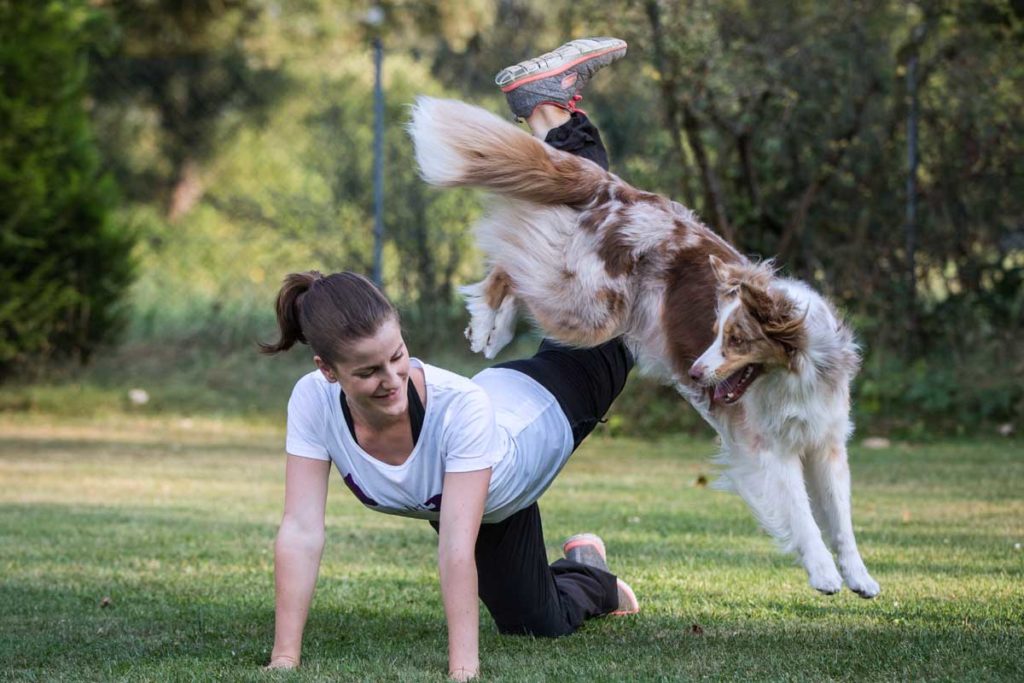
x,y
764,359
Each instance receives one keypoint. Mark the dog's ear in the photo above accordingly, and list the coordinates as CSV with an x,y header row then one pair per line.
x,y
779,317
757,301
720,269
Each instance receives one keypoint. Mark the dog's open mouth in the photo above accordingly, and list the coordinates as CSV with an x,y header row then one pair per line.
x,y
732,388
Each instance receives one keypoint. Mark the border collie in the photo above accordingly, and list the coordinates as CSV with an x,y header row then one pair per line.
x,y
764,359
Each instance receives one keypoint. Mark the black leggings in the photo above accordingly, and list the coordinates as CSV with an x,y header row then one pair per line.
x,y
584,381
523,593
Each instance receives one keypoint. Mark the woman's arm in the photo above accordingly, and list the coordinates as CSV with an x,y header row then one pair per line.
x,y
300,543
462,507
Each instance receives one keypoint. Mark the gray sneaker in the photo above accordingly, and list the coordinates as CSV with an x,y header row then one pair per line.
x,y
589,549
558,76
586,549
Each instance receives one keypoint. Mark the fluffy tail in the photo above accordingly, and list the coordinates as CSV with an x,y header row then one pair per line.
x,y
458,144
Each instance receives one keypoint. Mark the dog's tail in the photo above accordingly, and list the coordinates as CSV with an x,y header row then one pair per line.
x,y
458,144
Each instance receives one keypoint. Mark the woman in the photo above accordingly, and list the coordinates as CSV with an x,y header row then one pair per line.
x,y
471,456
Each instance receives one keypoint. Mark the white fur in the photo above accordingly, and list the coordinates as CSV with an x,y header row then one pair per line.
x,y
431,127
787,457
712,359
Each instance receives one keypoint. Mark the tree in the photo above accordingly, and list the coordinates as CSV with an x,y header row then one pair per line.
x,y
64,260
179,73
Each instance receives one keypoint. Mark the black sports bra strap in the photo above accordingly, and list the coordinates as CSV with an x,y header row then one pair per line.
x,y
416,414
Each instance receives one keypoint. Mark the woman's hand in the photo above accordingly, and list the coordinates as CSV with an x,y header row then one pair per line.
x,y
300,542
282,662
463,674
462,508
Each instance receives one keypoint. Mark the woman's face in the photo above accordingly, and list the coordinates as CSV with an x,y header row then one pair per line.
x,y
374,372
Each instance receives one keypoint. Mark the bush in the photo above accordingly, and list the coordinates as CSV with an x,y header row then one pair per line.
x,y
64,262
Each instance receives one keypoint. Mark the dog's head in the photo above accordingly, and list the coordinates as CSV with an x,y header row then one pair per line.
x,y
758,329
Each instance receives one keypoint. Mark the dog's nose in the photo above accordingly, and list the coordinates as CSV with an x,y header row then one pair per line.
x,y
696,372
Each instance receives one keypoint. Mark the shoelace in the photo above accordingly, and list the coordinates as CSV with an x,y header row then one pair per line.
x,y
571,107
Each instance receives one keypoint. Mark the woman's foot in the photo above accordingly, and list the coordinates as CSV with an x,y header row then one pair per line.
x,y
589,549
557,77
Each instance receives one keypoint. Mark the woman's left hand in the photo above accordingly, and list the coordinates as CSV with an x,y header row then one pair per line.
x,y
283,662
461,511
462,674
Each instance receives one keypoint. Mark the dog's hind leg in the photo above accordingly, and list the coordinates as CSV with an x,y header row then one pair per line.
x,y
828,479
492,313
773,486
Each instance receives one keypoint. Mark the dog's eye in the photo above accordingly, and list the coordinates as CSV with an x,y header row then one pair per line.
x,y
735,341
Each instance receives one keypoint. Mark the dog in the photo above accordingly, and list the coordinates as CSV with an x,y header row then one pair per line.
x,y
764,359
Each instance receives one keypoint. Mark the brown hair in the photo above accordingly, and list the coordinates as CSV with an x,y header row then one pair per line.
x,y
328,312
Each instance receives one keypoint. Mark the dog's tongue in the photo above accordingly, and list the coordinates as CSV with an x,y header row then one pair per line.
x,y
727,385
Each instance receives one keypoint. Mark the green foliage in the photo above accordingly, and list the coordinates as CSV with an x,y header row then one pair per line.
x,y
179,78
242,132
64,259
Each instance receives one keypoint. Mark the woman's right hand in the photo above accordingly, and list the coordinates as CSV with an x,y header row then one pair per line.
x,y
463,674
300,542
282,662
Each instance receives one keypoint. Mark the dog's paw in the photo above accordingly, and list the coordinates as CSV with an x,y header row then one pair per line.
x,y
477,334
481,318
857,579
504,328
824,577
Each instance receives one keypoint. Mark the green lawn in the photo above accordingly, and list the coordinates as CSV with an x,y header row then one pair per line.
x,y
173,521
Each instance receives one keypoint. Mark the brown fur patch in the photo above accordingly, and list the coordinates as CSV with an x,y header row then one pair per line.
x,y
499,286
745,342
732,275
604,195
627,194
688,315
777,317
518,165
593,219
615,251
614,300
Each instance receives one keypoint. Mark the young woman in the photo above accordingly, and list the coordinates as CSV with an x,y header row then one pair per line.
x,y
471,456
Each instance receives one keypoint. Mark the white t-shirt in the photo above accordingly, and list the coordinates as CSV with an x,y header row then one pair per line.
x,y
501,419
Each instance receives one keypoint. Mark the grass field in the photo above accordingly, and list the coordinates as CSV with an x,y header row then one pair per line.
x,y
140,549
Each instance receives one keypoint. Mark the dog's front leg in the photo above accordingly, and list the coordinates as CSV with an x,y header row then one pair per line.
x,y
829,485
773,486
492,310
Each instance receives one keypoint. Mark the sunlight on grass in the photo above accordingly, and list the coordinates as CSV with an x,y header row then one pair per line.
x,y
173,521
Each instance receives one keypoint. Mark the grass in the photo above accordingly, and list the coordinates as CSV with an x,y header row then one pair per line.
x,y
172,520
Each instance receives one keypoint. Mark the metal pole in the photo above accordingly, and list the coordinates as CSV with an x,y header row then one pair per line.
x,y
910,228
378,163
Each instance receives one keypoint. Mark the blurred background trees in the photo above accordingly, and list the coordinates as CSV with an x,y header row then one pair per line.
x,y
240,134
64,256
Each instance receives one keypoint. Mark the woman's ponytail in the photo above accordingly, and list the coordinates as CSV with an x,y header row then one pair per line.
x,y
328,312
289,313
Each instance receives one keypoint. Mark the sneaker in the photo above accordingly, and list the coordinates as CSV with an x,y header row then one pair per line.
x,y
558,76
589,549
628,604
586,549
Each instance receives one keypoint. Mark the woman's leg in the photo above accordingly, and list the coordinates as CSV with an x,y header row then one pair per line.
x,y
579,136
585,382
526,595
523,593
